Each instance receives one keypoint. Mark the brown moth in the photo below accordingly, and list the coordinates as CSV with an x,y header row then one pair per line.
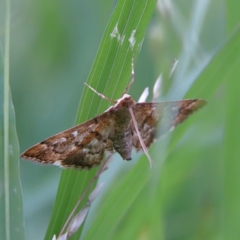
x,y
83,146
120,128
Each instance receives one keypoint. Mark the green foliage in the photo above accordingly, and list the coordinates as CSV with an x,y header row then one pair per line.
x,y
110,74
11,210
192,192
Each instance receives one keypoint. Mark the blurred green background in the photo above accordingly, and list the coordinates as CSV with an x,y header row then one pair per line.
x,y
53,46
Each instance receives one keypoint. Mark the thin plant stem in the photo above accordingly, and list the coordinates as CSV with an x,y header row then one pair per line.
x,y
6,121
96,176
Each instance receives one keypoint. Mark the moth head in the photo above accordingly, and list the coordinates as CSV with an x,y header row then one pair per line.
x,y
125,101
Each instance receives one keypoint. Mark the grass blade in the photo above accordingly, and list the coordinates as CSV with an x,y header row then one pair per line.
x,y
110,74
11,223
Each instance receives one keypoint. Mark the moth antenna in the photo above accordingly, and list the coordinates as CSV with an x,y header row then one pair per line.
x,y
140,138
132,77
100,95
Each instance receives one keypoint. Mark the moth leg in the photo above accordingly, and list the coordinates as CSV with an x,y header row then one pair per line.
x,y
135,124
100,95
132,77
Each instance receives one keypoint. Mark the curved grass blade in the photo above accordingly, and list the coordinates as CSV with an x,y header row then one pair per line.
x,y
110,74
11,207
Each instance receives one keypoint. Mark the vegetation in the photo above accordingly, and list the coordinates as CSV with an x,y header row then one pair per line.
x,y
192,192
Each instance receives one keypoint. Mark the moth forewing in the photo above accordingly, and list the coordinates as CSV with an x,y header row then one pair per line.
x,y
82,146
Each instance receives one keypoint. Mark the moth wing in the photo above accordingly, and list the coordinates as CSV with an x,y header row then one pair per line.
x,y
150,116
82,146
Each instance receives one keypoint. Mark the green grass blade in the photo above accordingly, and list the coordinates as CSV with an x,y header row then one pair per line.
x,y
11,207
143,204
110,74
230,73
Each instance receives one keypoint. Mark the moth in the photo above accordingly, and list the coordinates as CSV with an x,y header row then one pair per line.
x,y
124,126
